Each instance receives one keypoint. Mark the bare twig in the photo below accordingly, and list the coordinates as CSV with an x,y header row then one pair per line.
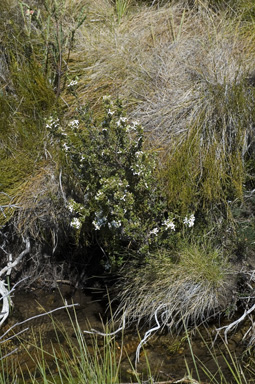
x,y
6,303
61,188
66,306
13,264
94,331
147,335
234,324
4,292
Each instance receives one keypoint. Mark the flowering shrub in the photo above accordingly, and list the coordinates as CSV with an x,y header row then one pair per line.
x,y
116,201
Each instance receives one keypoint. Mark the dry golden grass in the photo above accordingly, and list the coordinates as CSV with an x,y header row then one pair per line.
x,y
158,60
38,209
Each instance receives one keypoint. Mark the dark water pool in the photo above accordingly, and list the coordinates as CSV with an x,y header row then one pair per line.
x,y
168,355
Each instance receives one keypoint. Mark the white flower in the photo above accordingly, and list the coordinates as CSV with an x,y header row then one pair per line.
x,y
71,205
135,171
76,223
110,112
99,193
189,221
114,224
133,126
99,221
72,83
74,124
154,231
66,147
169,224
51,123
122,119
96,225
138,154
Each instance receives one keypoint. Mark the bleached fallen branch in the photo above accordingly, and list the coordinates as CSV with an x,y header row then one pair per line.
x,y
10,265
142,342
4,292
94,331
61,188
147,335
4,340
234,324
66,306
6,302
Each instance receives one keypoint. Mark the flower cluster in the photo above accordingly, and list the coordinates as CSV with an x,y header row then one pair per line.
x,y
52,123
72,83
189,221
74,124
154,231
169,224
76,223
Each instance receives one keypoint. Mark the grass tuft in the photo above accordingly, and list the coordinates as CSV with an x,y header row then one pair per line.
x,y
188,290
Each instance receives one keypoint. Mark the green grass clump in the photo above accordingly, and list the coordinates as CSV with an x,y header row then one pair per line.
x,y
187,289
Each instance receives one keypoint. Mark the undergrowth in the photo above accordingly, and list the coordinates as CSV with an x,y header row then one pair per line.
x,y
81,172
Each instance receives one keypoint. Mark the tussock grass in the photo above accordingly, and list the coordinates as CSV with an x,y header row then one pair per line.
x,y
185,74
115,59
39,199
156,51
186,292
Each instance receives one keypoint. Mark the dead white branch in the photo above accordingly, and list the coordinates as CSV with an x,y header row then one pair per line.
x,y
6,302
94,331
3,338
147,335
4,292
234,324
12,264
